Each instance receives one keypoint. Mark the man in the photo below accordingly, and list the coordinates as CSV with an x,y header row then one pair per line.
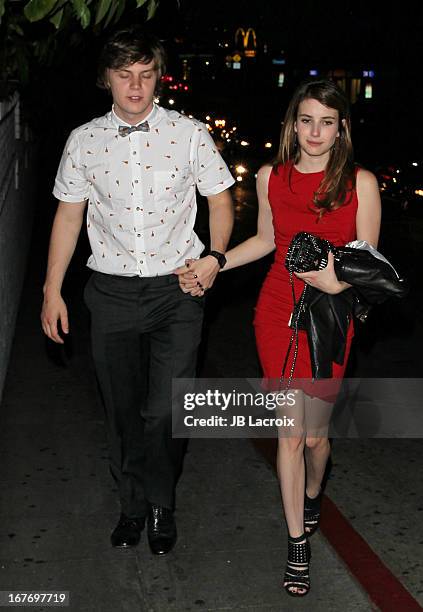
x,y
138,168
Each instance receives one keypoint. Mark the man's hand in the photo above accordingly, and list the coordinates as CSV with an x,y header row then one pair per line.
x,y
198,275
53,310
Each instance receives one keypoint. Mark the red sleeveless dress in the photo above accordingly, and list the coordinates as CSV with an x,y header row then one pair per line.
x,y
290,196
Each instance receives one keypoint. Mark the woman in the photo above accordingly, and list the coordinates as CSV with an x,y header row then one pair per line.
x,y
313,186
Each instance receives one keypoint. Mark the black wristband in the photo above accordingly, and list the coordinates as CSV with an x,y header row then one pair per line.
x,y
221,259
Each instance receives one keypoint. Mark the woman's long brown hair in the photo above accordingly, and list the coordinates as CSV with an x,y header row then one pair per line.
x,y
339,179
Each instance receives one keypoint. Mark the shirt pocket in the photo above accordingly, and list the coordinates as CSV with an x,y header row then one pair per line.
x,y
170,187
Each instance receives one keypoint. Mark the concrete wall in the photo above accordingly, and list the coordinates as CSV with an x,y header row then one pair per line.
x,y
16,216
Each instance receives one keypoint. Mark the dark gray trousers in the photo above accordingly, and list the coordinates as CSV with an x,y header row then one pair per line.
x,y
144,332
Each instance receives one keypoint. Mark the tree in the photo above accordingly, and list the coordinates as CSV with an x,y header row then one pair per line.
x,y
31,32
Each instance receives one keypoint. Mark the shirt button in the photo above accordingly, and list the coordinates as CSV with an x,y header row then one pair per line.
x,y
138,208
138,235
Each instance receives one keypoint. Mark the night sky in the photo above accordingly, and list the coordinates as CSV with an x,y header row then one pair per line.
x,y
359,35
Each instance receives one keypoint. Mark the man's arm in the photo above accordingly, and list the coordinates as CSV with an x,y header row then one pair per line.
x,y
221,220
64,236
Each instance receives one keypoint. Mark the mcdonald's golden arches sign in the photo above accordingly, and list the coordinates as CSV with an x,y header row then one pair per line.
x,y
246,40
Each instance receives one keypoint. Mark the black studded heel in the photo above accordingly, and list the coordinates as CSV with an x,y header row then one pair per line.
x,y
296,580
312,513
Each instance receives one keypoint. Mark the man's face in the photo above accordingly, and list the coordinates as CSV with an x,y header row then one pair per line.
x,y
133,89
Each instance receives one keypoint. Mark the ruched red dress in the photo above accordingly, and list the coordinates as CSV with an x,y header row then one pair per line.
x,y
290,195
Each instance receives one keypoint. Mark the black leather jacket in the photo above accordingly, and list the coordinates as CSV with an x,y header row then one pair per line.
x,y
326,319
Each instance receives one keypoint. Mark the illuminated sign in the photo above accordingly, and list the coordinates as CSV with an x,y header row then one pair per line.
x,y
368,91
245,37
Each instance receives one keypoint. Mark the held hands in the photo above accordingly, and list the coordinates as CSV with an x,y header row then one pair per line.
x,y
325,280
54,310
197,275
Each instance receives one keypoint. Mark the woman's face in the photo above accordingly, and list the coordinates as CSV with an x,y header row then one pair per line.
x,y
317,128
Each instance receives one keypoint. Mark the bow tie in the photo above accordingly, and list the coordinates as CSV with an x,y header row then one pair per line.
x,y
124,130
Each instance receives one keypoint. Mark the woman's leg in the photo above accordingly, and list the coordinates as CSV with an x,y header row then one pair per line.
x,y
290,464
317,451
291,473
317,447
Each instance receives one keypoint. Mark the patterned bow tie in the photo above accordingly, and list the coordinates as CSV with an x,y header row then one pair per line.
x,y
124,130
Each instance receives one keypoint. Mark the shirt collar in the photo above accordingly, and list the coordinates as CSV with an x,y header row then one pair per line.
x,y
153,117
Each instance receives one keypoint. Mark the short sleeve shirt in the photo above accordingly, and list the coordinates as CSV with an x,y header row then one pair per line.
x,y
141,189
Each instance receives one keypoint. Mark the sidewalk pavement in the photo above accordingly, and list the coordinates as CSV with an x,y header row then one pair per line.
x,y
59,504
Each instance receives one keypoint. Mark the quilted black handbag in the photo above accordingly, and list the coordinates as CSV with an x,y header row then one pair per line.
x,y
307,252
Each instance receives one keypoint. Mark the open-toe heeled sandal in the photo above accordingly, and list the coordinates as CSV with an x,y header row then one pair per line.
x,y
312,513
296,580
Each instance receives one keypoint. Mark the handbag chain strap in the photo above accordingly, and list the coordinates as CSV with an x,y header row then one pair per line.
x,y
298,306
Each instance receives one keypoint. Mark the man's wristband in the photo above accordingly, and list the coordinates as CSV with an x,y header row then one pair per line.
x,y
221,259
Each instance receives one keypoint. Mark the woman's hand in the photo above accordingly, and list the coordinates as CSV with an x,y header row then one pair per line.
x,y
325,280
198,275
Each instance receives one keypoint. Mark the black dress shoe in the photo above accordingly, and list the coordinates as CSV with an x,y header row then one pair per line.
x,y
127,532
161,530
